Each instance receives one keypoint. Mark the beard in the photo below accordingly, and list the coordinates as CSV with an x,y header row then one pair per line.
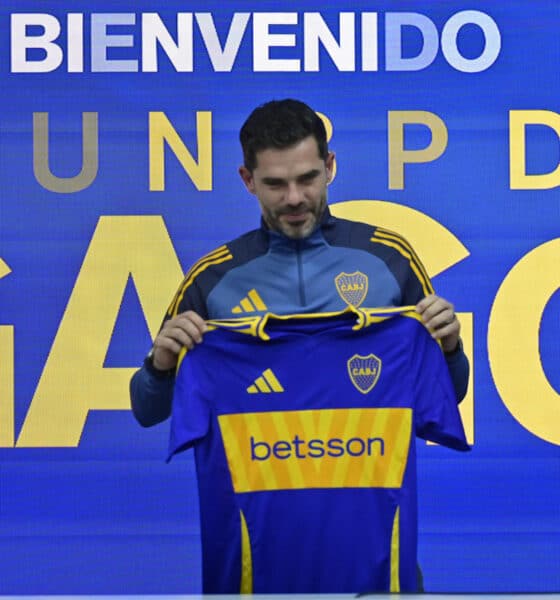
x,y
297,222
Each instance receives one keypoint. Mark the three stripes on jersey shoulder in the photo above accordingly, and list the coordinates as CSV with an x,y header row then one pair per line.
x,y
399,243
217,256
250,303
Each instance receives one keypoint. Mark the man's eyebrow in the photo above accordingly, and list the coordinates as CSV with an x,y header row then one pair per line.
x,y
304,176
310,174
272,180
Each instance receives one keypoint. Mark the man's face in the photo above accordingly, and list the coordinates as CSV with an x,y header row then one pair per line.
x,y
291,186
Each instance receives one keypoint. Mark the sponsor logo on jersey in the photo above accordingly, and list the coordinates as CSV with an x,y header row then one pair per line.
x,y
318,448
265,384
352,287
252,302
364,371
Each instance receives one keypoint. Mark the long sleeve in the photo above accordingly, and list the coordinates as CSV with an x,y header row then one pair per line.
x,y
151,393
151,397
459,369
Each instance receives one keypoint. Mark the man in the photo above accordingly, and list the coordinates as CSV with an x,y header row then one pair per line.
x,y
301,259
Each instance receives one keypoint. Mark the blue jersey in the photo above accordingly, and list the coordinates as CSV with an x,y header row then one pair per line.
x,y
303,429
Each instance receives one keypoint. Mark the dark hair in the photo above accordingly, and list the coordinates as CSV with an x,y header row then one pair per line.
x,y
280,124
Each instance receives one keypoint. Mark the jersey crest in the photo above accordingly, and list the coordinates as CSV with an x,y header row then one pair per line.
x,y
364,371
352,287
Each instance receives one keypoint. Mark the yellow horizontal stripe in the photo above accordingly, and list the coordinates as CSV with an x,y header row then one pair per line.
x,y
328,448
247,325
376,315
255,325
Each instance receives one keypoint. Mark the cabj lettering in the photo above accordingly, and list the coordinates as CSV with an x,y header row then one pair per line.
x,y
363,371
352,287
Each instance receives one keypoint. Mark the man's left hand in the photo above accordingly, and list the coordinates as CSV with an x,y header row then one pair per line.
x,y
439,317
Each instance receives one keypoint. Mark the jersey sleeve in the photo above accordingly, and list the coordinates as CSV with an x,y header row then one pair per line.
x,y
436,413
190,414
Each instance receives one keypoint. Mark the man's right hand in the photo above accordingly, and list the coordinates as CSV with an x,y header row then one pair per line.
x,y
184,330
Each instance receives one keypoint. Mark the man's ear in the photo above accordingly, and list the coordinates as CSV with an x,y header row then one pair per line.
x,y
329,162
247,178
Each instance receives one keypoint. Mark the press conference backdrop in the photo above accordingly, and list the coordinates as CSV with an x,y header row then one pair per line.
x,y
119,156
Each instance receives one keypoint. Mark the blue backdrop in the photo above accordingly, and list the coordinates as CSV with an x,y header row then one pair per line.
x,y
118,160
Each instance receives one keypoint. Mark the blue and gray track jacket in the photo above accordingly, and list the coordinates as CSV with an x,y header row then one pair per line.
x,y
341,263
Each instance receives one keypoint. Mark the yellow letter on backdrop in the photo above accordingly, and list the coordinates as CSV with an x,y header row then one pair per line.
x,y
90,155
6,377
74,380
161,130
518,119
513,341
398,156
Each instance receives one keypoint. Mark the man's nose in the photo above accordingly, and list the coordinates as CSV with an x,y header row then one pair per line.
x,y
294,194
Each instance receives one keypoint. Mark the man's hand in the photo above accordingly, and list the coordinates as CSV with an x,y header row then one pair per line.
x,y
439,317
184,330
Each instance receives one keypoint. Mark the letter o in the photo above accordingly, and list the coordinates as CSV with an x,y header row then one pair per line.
x,y
513,342
361,443
491,35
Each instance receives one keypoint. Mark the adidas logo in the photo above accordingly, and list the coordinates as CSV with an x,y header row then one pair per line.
x,y
251,303
266,384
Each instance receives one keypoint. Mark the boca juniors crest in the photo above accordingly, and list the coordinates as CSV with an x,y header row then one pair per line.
x,y
364,371
352,287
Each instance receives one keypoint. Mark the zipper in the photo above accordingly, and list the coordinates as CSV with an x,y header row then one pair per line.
x,y
301,285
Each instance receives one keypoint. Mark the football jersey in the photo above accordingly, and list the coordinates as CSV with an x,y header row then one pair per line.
x,y
303,429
